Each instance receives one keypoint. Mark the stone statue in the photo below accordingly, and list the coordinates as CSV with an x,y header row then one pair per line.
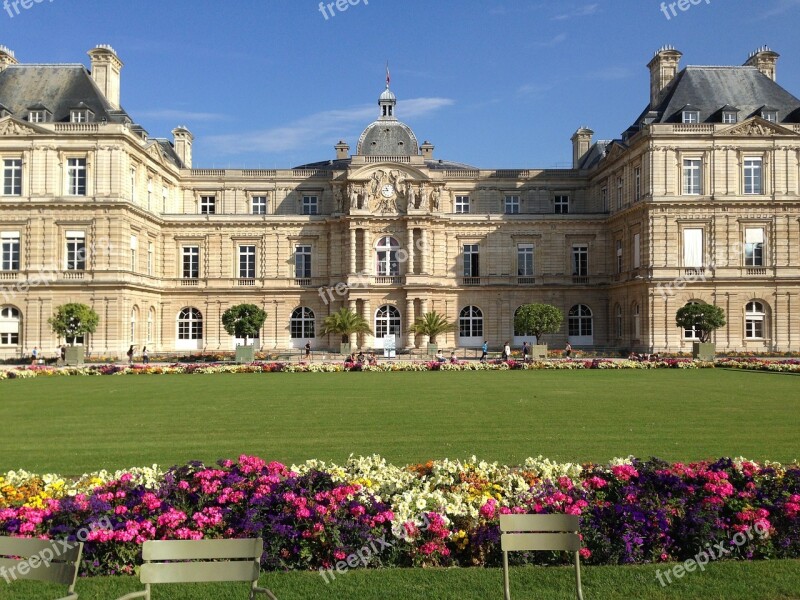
x,y
435,199
353,197
338,198
423,197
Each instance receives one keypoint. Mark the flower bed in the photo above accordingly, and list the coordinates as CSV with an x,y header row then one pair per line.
x,y
440,513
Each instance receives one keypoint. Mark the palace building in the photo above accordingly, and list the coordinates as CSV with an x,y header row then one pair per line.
x,y
697,201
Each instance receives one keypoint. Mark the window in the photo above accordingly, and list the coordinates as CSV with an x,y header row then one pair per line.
x,y
619,256
754,319
754,247
637,322
9,326
470,322
387,321
151,319
512,205
580,261
36,116
604,198
693,248
752,176
9,251
301,324
208,205
191,262
190,324
310,205
149,194
259,205
729,117
691,333
471,260
150,258
302,262
618,321
76,176
637,251
692,177
620,187
76,251
386,253
637,184
134,247
580,321
164,198
79,116
562,205
462,205
247,262
691,116
133,185
12,177
770,115
134,318
525,260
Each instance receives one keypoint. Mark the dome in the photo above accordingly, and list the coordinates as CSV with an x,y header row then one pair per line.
x,y
387,136
387,96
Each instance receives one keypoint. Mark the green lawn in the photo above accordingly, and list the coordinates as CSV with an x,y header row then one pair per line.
x,y
77,424
721,581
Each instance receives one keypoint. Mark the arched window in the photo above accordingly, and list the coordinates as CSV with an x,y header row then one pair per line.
x,y
637,322
151,319
470,322
387,263
387,321
580,321
134,318
754,319
190,324
691,333
301,324
618,320
9,326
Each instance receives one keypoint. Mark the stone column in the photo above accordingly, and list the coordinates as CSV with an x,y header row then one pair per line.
x,y
410,337
367,266
426,251
410,270
369,338
352,251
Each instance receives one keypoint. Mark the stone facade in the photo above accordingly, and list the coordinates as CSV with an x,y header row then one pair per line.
x,y
668,214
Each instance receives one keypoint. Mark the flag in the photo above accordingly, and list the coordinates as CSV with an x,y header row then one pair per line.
x,y
388,77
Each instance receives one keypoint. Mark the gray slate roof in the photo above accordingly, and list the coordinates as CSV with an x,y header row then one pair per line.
x,y
708,89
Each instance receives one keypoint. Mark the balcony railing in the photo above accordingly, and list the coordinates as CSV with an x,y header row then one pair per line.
x,y
694,272
580,279
8,275
526,280
74,275
246,282
470,281
388,280
190,282
302,281
756,271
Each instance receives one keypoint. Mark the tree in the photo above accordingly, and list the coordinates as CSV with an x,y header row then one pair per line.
x,y
344,322
73,320
703,318
244,321
537,320
432,324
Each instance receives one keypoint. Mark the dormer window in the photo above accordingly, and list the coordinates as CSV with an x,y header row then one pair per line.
x,y
729,117
770,115
37,116
4,112
80,115
691,116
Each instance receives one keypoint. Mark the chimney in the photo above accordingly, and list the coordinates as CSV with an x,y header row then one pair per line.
x,y
581,142
663,69
342,150
183,145
765,60
6,58
427,150
106,67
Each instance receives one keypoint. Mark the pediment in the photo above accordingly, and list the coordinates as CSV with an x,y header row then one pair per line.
x,y
10,126
154,150
755,126
389,188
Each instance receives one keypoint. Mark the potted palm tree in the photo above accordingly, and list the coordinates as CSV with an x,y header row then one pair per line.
x,y
538,320
344,322
704,319
432,324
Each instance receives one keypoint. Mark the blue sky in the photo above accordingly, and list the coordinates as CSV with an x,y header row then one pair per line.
x,y
495,84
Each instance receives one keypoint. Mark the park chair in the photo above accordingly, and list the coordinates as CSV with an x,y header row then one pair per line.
x,y
540,532
201,561
52,561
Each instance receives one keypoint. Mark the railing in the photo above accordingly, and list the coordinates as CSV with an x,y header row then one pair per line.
x,y
246,282
388,280
580,279
693,128
259,173
694,272
395,159
208,172
470,281
309,173
526,280
512,173
462,174
190,282
77,127
74,274
6,275
302,281
756,271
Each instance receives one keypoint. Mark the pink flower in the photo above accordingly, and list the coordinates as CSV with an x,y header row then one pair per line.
x,y
488,510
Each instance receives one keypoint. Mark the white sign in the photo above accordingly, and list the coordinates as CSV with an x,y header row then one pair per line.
x,y
389,345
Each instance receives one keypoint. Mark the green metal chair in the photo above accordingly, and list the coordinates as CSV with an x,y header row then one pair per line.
x,y
201,561
52,561
540,532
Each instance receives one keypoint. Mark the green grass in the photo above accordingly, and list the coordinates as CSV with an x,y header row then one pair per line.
x,y
78,424
721,581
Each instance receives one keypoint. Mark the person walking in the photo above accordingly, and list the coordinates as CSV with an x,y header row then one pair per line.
x,y
526,350
485,350
130,355
145,356
308,349
35,355
506,351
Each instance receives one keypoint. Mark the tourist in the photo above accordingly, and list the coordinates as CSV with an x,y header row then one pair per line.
x,y
568,350
308,349
526,350
506,351
372,359
485,350
440,357
130,355
361,360
453,359
35,355
350,360
145,356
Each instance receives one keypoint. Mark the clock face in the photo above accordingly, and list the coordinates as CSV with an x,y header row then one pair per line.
x,y
387,191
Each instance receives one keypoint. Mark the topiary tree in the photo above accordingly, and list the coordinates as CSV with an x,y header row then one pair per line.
x,y
432,324
703,318
344,322
538,320
244,321
73,320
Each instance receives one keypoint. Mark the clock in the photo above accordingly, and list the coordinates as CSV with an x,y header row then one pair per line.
x,y
387,191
